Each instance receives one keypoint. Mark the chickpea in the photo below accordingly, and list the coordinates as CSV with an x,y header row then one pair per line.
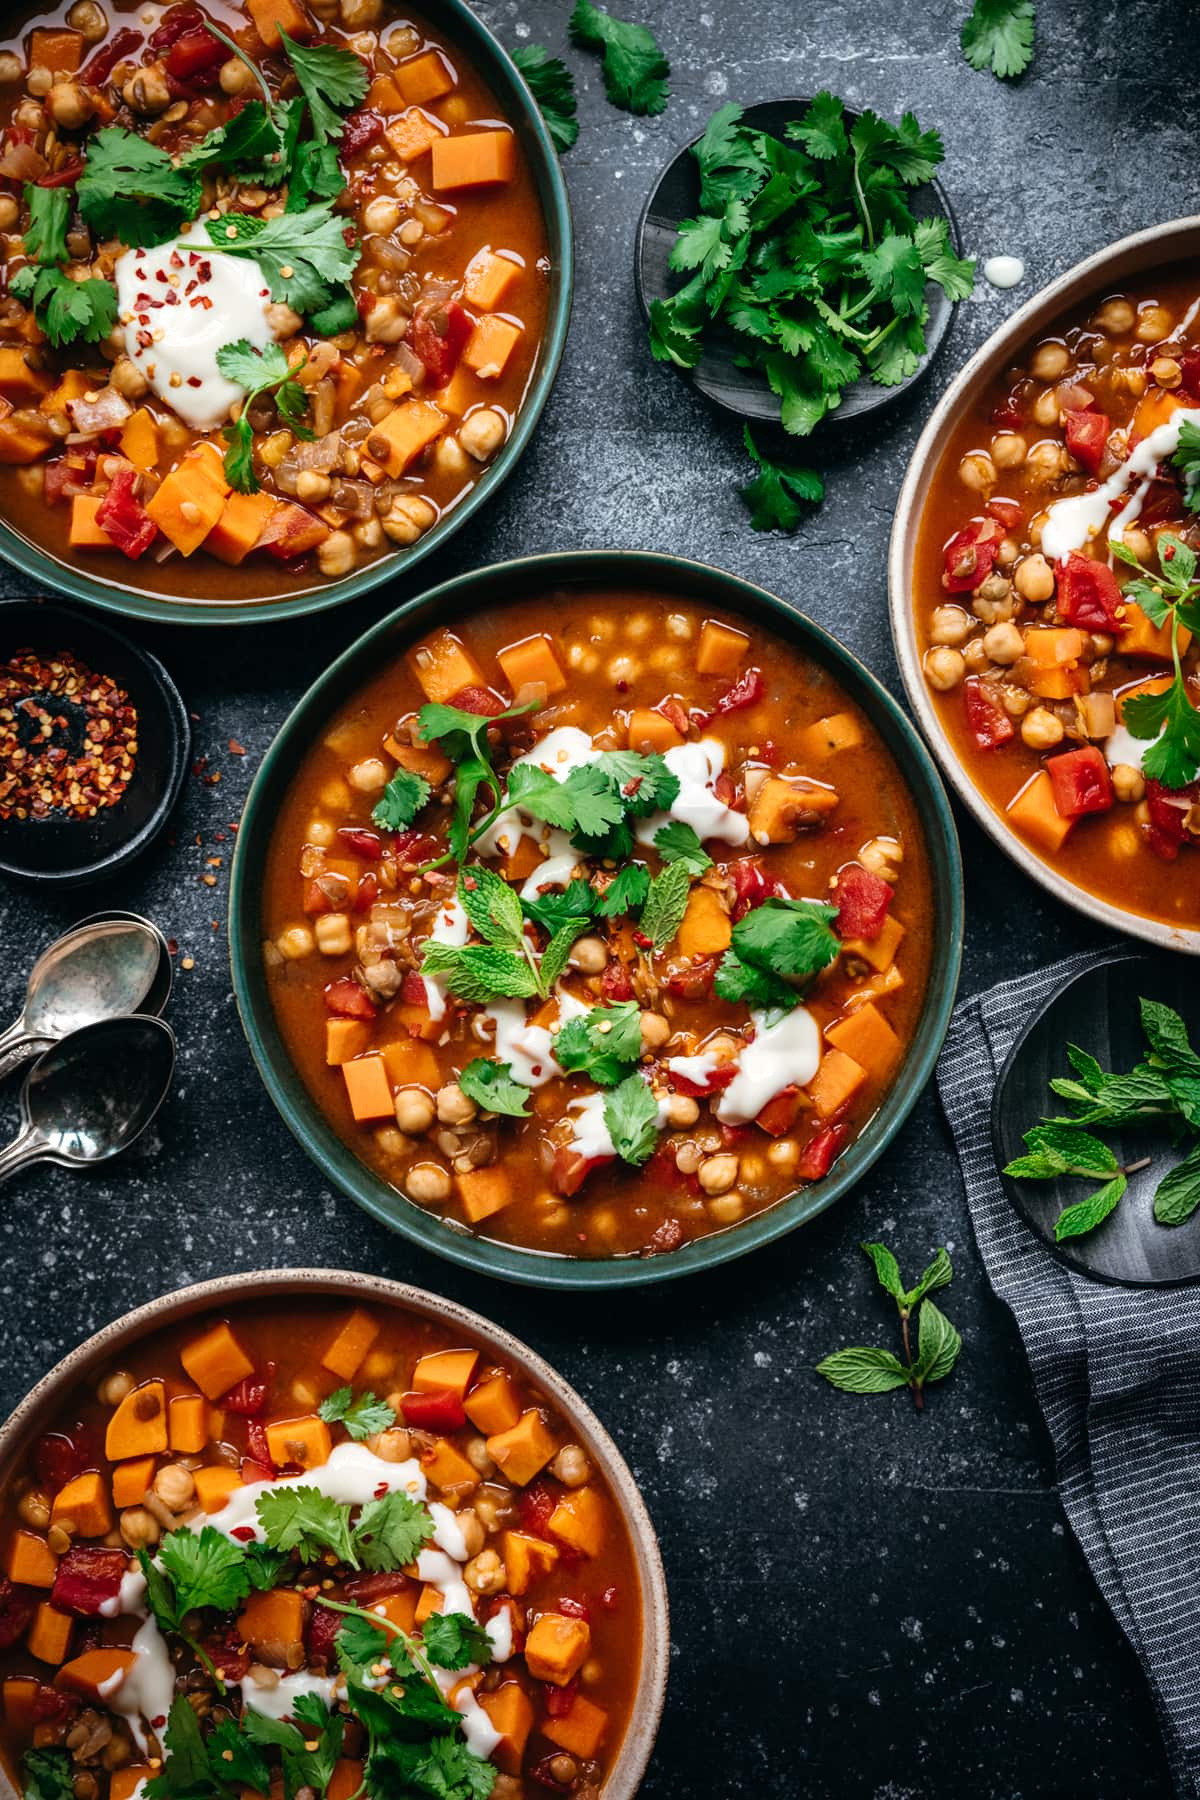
x,y
283,319
368,776
414,1111
368,534
726,1210
360,15
411,232
1137,542
944,668
33,1509
1047,461
482,433
295,943
29,115
312,487
718,1173
1116,316
128,379
454,1107
147,91
975,656
387,321
305,1394
427,1184
950,625
1041,729
10,212
1046,410
70,105
58,1538
1034,579
450,458
977,471
1154,322
382,215
393,1445
484,1574
655,1030
563,1768
1166,371
783,1154
1004,644
89,20
338,554
116,1387
571,1466
682,1111
174,1486
1129,784
1008,553
11,68
480,1457
39,81
1050,361
402,42
589,955
409,518
1008,450
883,856
333,934
1017,702
139,1527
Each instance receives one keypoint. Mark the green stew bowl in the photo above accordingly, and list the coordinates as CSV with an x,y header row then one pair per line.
x,y
487,55
475,593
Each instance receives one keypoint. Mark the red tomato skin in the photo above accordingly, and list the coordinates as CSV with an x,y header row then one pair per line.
x,y
1087,438
346,1000
862,899
439,1410
987,721
1088,595
820,1152
1081,782
970,554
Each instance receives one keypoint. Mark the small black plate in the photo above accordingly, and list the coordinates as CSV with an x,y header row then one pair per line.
x,y
67,851
676,195
1098,1010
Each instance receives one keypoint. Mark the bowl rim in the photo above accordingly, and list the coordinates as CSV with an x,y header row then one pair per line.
x,y
641,1730
495,64
458,597
157,675
1142,251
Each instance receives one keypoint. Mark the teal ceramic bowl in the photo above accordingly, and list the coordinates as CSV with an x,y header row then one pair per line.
x,y
487,55
384,643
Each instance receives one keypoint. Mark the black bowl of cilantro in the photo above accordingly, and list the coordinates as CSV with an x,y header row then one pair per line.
x,y
800,262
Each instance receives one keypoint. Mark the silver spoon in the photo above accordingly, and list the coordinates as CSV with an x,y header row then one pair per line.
x,y
106,967
92,1095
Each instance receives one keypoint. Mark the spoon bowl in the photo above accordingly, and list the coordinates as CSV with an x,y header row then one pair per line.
x,y
107,967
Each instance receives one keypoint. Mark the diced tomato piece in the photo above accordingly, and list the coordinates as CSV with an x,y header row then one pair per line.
x,y
560,1700
616,982
359,131
1168,809
1081,782
361,842
16,1610
256,1443
1007,512
87,1578
412,848
197,57
862,899
412,989
1189,372
122,515
367,892
817,1156
439,336
364,1590
249,1398
970,554
51,1706
175,23
1008,415
1087,438
291,533
750,885
438,1410
571,1169
230,1657
326,893
58,1459
779,1115
987,720
254,1472
478,700
535,1507
673,712
694,983
127,43
347,1000
323,1626
670,1234
747,690
66,176
1088,595
713,1082
571,1608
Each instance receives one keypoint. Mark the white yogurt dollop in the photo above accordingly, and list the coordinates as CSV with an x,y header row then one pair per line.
x,y
179,304
1003,271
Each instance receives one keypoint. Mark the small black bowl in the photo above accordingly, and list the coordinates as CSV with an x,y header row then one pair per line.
x,y
66,851
676,195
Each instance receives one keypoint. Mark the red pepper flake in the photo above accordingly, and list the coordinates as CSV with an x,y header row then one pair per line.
x,y
236,749
202,300
243,1533
195,381
172,947
68,738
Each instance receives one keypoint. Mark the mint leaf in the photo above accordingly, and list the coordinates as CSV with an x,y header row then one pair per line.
x,y
477,973
666,904
886,1268
1085,1215
939,1345
863,1371
493,908
1179,1191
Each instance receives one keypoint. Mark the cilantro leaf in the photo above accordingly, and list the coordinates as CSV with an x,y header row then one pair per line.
x,y
603,1043
479,974
491,1086
863,1371
363,1418
360,1643
452,1640
462,734
822,130
47,1775
631,1116
67,310
252,136
302,255
998,35
401,800
264,1566
739,981
789,937
332,81
132,190
560,906
779,492
666,904
303,1519
316,173
553,87
1186,459
627,890
678,842
452,1771
635,69
205,1570
1174,723
391,1531
187,1769
259,372
49,215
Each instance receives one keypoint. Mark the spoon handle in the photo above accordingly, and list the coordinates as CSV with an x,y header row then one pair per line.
x,y
17,1046
27,1147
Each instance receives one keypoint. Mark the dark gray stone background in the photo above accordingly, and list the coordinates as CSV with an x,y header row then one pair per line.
x,y
866,1601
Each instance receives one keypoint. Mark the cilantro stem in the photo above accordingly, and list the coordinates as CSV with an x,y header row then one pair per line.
x,y
861,199
242,57
390,1628
914,1386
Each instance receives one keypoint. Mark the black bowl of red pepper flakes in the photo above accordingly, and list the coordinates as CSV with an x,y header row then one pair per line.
x,y
94,742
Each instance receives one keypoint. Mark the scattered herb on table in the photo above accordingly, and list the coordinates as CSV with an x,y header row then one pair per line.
x,y
1169,598
1162,1092
635,69
861,1370
780,491
998,35
553,87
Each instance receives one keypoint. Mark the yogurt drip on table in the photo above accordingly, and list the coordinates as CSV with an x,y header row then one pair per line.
x,y
1071,522
353,1476
179,304
1003,271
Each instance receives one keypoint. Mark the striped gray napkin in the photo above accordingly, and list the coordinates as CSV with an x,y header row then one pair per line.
x,y
1117,1374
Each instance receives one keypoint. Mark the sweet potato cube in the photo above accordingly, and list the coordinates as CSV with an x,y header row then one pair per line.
x,y
85,1500
445,1369
580,1730
383,96
97,1673
449,1470
216,1362
1153,410
269,15
400,438
346,1780
425,77
837,1080
444,666
398,1609
1036,817
21,444
419,759
29,1562
305,1441
73,386
215,1484
880,952
54,48
49,1635
139,440
353,1339
511,1711
19,1692
492,1405
488,279
131,1479
123,1783
706,929
413,133
20,383
418,1021
651,733
461,392
532,663
346,1039
526,1559
490,345
271,1622
411,1063
474,159
579,1520
866,1036
139,1425
524,859
722,649
187,1423
783,805
85,532
1142,639
484,1191
432,1600
367,1088
557,1648
1059,684
524,1448
239,527
1051,647
186,506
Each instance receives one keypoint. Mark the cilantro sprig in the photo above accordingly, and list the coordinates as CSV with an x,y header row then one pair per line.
x,y
132,190
259,372
631,1117
491,1086
635,69
780,491
363,1418
193,1572
553,87
505,965
1171,718
387,1533
863,1370
774,947
604,1044
66,310
998,35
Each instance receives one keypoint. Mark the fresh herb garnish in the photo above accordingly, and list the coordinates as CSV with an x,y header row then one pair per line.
x,y
780,938
491,1086
631,1116
505,965
47,1775
553,87
626,892
779,492
132,190
66,310
49,215
635,69
304,256
666,904
308,1756
604,1043
401,800
678,842
388,1532
259,372
463,738
562,906
1186,459
1171,597
452,1641
391,1530
998,35
873,1371
192,1572
330,79
363,1418
252,136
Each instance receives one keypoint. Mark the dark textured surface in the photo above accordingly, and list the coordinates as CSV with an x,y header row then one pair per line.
x,y
866,1601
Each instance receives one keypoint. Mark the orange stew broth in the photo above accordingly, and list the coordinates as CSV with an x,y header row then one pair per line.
x,y
492,1448
624,657
409,408
1058,422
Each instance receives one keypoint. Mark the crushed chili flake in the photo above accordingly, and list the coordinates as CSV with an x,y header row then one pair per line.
x,y
236,749
68,738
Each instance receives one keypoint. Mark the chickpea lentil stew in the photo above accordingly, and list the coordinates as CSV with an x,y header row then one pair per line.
x,y
540,910
1056,601
276,278
332,1549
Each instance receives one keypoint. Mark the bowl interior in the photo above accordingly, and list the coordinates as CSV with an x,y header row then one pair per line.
x,y
474,593
66,849
99,1351
464,28
675,196
1172,243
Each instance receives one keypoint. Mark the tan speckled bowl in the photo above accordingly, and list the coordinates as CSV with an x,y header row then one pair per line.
x,y
32,1415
